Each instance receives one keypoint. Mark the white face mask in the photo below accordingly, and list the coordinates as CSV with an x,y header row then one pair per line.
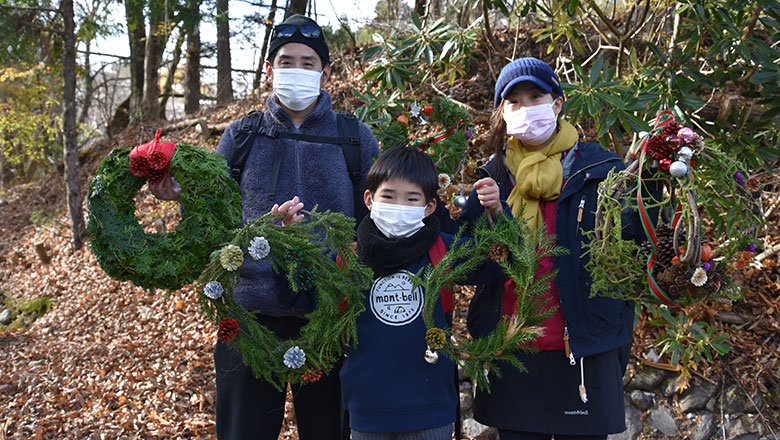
x,y
297,88
532,125
397,220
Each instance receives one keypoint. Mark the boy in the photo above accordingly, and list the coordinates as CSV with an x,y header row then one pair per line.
x,y
388,388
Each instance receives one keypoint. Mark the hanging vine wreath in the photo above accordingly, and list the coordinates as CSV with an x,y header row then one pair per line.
x,y
677,265
210,209
304,252
518,252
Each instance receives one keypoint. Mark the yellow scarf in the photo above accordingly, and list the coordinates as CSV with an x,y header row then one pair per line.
x,y
538,174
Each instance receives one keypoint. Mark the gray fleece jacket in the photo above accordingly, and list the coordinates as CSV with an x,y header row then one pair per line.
x,y
315,172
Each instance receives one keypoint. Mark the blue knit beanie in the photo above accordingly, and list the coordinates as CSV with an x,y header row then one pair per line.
x,y
526,69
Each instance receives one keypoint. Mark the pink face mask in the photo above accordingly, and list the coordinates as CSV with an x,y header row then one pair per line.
x,y
532,125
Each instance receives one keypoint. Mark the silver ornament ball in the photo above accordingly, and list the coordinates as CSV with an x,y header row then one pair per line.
x,y
431,356
460,201
678,169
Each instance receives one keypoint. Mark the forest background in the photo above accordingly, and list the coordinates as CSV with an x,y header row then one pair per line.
x,y
713,63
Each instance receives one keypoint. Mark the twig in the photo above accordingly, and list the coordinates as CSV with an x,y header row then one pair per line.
x,y
766,422
768,252
462,104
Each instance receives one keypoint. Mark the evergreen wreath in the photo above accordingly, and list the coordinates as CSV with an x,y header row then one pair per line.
x,y
210,209
676,266
303,251
509,243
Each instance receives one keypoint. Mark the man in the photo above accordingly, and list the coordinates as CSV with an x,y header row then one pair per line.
x,y
281,169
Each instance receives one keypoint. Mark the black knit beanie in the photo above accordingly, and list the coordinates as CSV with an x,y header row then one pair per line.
x,y
318,44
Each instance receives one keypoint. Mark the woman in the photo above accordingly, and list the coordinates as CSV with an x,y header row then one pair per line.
x,y
573,386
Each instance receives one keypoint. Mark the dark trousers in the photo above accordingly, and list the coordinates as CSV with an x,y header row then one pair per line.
x,y
251,408
516,435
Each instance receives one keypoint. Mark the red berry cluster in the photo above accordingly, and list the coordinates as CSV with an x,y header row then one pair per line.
x,y
228,329
312,375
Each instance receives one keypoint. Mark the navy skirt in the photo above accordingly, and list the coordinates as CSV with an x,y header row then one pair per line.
x,y
546,399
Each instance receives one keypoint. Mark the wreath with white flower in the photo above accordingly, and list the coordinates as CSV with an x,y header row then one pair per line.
x,y
210,209
679,264
304,252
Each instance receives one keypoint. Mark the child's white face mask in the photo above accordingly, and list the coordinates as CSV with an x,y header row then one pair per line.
x,y
532,125
397,220
297,88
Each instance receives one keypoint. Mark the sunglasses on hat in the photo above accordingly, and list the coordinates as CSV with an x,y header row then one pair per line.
x,y
288,30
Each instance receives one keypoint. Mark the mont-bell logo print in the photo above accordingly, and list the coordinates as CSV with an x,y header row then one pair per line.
x,y
394,301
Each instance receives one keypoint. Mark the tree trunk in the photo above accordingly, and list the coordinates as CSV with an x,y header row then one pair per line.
x,y
224,68
192,74
154,49
88,86
295,7
434,9
168,87
71,153
136,34
268,28
419,7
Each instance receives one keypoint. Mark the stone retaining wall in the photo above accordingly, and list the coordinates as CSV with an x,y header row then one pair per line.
x,y
654,410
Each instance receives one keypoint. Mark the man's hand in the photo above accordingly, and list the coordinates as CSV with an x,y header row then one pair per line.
x,y
166,189
289,210
489,195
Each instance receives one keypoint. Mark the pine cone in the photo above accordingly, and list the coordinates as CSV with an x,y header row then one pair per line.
x,y
139,166
498,252
436,338
228,329
671,128
157,160
658,148
664,244
155,176
303,277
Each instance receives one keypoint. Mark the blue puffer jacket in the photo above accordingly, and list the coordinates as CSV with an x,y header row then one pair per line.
x,y
595,325
315,172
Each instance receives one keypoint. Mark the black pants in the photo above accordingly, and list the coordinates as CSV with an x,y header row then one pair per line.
x,y
251,408
515,435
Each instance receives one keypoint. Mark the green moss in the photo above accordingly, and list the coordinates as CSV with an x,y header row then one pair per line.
x,y
25,312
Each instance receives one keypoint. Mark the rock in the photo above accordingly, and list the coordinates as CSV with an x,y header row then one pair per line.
x,y
472,428
5,317
736,401
641,399
669,387
466,396
773,396
697,397
705,426
743,427
633,423
647,379
661,418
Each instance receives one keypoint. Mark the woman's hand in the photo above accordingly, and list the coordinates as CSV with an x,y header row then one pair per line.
x,y
289,211
166,189
489,195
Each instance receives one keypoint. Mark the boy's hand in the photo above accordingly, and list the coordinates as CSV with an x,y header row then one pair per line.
x,y
489,195
289,210
166,189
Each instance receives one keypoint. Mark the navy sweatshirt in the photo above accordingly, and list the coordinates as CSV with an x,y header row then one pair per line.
x,y
386,383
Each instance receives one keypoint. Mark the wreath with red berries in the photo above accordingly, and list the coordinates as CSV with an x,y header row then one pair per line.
x,y
304,253
679,264
210,209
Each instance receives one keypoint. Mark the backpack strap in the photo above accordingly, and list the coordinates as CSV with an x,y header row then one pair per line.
x,y
348,127
436,253
242,143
